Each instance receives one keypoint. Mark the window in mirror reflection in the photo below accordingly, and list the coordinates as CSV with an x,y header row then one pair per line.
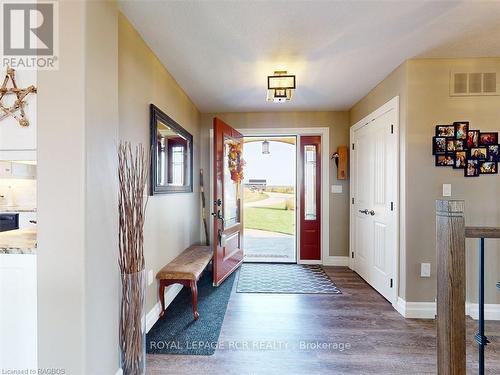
x,y
172,157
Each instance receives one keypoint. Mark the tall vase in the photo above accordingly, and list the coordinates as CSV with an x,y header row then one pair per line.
x,y
132,324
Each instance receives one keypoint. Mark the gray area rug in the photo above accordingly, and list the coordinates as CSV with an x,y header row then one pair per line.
x,y
284,278
178,333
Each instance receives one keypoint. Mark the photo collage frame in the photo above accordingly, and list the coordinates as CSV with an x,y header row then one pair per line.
x,y
460,147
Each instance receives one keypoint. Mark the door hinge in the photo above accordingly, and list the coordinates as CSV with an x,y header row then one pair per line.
x,y
391,283
392,206
352,200
353,146
352,254
392,129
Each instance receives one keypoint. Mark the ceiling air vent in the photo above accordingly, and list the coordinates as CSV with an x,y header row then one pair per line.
x,y
474,84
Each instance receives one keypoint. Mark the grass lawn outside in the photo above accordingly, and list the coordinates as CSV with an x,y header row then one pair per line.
x,y
270,219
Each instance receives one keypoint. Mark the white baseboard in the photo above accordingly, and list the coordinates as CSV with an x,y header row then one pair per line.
x,y
119,372
427,310
491,311
400,306
153,315
336,261
416,310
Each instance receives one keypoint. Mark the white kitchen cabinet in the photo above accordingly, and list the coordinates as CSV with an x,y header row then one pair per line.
x,y
18,312
5,169
17,170
25,219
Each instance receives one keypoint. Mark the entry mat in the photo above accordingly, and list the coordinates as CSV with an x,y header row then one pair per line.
x,y
284,278
178,333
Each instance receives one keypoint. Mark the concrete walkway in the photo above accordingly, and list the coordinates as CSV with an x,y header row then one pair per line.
x,y
274,199
262,245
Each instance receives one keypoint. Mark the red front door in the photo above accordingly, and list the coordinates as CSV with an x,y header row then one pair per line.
x,y
310,198
227,205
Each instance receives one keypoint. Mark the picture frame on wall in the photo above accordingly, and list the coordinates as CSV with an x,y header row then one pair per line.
x,y
488,138
493,153
471,169
488,167
478,153
439,145
472,138
461,129
460,159
444,160
472,150
445,130
453,145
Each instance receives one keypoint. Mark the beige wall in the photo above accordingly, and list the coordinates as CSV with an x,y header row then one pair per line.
x,y
172,220
337,122
429,104
101,202
61,189
423,86
396,84
77,121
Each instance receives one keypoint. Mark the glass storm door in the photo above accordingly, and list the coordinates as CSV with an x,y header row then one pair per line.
x,y
227,205
310,198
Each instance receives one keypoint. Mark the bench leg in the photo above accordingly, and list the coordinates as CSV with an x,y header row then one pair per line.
x,y
194,297
162,298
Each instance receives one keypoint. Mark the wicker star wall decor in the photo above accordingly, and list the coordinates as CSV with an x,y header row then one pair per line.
x,y
17,109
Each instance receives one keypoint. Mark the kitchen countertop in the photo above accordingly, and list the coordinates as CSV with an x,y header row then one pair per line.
x,y
17,209
19,241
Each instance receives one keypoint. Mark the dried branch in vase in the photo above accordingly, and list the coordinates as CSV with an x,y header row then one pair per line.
x,y
133,175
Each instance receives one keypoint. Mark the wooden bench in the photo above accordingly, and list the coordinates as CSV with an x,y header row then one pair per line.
x,y
186,269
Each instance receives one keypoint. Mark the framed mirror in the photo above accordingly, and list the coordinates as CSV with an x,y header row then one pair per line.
x,y
171,155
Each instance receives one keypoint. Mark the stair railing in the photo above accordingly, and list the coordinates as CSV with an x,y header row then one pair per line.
x,y
451,233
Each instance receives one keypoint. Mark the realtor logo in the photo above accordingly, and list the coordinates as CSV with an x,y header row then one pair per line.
x,y
29,35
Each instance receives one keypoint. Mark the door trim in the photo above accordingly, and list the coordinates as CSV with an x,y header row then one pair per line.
x,y
392,104
325,181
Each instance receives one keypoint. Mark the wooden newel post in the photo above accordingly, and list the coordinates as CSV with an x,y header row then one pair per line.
x,y
450,249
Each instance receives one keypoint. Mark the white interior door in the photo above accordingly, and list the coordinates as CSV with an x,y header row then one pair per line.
x,y
363,172
374,185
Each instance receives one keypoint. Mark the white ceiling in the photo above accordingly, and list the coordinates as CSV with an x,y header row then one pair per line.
x,y
221,52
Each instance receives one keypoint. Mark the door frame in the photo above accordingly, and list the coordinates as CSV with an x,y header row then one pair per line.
x,y
325,181
399,213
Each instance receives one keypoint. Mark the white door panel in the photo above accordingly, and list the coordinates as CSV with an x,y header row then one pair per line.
x,y
374,188
363,173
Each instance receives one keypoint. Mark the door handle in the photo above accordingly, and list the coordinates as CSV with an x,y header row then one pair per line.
x,y
365,211
371,212
218,215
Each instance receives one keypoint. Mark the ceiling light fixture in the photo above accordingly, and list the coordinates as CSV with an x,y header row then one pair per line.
x,y
280,86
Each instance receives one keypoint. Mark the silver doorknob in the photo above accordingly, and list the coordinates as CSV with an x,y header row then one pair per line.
x,y
371,212
365,211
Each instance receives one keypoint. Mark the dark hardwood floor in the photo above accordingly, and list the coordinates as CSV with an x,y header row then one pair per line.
x,y
280,334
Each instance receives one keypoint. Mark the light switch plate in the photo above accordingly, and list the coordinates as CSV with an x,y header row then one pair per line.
x,y
336,189
425,270
150,277
446,190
